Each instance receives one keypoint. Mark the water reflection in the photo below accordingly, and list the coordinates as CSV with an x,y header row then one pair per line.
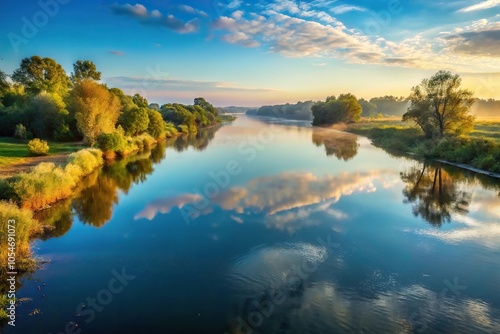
x,y
434,194
96,195
342,145
288,201
198,141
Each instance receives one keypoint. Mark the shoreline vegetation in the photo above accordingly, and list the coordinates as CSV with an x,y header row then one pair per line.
x,y
46,112
437,124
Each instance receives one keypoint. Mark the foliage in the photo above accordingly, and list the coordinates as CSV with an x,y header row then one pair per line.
x,y
299,111
96,110
369,109
45,114
134,121
156,124
20,132
140,101
438,106
344,109
38,74
388,105
84,69
26,227
180,116
38,147
47,183
114,141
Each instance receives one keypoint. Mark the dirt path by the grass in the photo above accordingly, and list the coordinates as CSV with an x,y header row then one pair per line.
x,y
29,162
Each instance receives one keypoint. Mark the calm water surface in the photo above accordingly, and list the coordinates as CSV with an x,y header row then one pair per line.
x,y
259,227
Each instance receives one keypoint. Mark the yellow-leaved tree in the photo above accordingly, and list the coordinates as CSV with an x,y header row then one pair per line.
x,y
96,110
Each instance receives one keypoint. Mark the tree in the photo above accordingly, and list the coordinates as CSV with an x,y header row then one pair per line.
x,y
84,69
4,84
200,101
134,121
126,101
345,108
156,126
140,101
439,106
46,114
38,74
368,109
96,110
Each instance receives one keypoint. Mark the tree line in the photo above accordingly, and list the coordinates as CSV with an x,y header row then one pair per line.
x,y
377,107
41,100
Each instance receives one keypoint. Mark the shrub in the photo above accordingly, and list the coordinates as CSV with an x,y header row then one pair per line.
x,y
26,227
45,184
87,160
48,183
170,129
114,141
38,147
63,133
20,132
183,128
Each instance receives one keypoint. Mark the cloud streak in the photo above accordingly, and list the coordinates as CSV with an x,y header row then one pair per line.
x,y
481,6
156,18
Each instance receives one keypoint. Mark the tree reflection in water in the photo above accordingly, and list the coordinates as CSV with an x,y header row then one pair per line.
x,y
343,145
198,141
95,196
434,193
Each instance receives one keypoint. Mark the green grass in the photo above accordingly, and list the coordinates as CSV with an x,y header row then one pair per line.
x,y
15,151
481,149
487,129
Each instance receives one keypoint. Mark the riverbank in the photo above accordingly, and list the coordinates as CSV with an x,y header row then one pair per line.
x,y
480,154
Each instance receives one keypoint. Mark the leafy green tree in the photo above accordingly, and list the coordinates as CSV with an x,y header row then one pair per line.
x,y
154,106
134,121
156,125
46,113
140,101
180,116
95,109
439,106
390,105
126,101
200,101
84,69
368,109
38,74
4,84
345,108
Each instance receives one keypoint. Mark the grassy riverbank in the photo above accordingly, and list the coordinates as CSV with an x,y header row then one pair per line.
x,y
481,149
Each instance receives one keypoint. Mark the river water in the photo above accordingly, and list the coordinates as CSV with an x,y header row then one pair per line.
x,y
269,227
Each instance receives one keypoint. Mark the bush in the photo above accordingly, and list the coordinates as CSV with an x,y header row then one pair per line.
x,y
48,183
86,160
20,132
38,147
26,227
183,128
114,141
170,129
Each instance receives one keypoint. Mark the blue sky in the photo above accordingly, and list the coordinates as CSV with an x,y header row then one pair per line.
x,y
252,53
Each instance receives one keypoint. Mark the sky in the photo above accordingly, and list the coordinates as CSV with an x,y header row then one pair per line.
x,y
240,53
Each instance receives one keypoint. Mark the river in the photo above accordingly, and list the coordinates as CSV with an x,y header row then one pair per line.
x,y
269,227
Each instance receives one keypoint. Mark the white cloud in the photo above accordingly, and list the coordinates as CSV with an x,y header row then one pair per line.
x,y
191,10
481,6
341,9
